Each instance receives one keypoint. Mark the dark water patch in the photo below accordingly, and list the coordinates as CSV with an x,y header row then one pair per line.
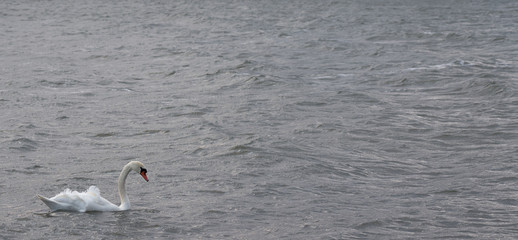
x,y
508,201
170,73
23,145
263,81
99,57
87,94
150,132
488,85
34,167
311,104
60,83
31,170
163,52
328,171
369,224
195,114
239,150
82,179
105,135
200,151
27,172
214,214
448,192
27,126
128,82
212,192
105,82
269,190
194,169
107,172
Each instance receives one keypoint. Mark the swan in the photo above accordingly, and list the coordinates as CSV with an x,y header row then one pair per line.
x,y
91,199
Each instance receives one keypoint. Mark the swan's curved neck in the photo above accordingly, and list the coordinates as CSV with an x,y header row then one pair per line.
x,y
125,203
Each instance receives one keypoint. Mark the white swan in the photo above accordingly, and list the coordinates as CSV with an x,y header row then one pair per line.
x,y
91,199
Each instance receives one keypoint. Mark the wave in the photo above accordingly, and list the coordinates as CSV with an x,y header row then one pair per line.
x,y
24,144
459,63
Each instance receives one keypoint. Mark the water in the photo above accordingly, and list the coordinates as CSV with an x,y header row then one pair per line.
x,y
262,119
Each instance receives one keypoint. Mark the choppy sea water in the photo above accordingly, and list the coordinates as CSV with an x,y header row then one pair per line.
x,y
262,119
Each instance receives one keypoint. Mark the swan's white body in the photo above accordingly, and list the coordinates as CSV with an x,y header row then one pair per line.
x,y
91,199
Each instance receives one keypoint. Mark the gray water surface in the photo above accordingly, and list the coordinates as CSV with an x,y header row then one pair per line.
x,y
262,119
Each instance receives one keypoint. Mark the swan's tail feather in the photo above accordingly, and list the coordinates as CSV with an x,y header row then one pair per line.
x,y
51,204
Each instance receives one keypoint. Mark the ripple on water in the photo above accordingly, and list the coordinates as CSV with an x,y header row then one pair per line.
x,y
23,145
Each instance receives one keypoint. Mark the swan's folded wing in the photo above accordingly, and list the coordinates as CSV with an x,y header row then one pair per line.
x,y
101,204
89,200
54,206
68,201
94,201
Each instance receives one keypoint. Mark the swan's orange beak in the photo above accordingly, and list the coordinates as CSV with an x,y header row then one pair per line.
x,y
144,176
143,172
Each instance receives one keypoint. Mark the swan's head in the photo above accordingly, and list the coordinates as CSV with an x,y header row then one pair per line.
x,y
139,168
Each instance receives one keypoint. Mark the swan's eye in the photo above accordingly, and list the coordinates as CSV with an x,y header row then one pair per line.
x,y
143,170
